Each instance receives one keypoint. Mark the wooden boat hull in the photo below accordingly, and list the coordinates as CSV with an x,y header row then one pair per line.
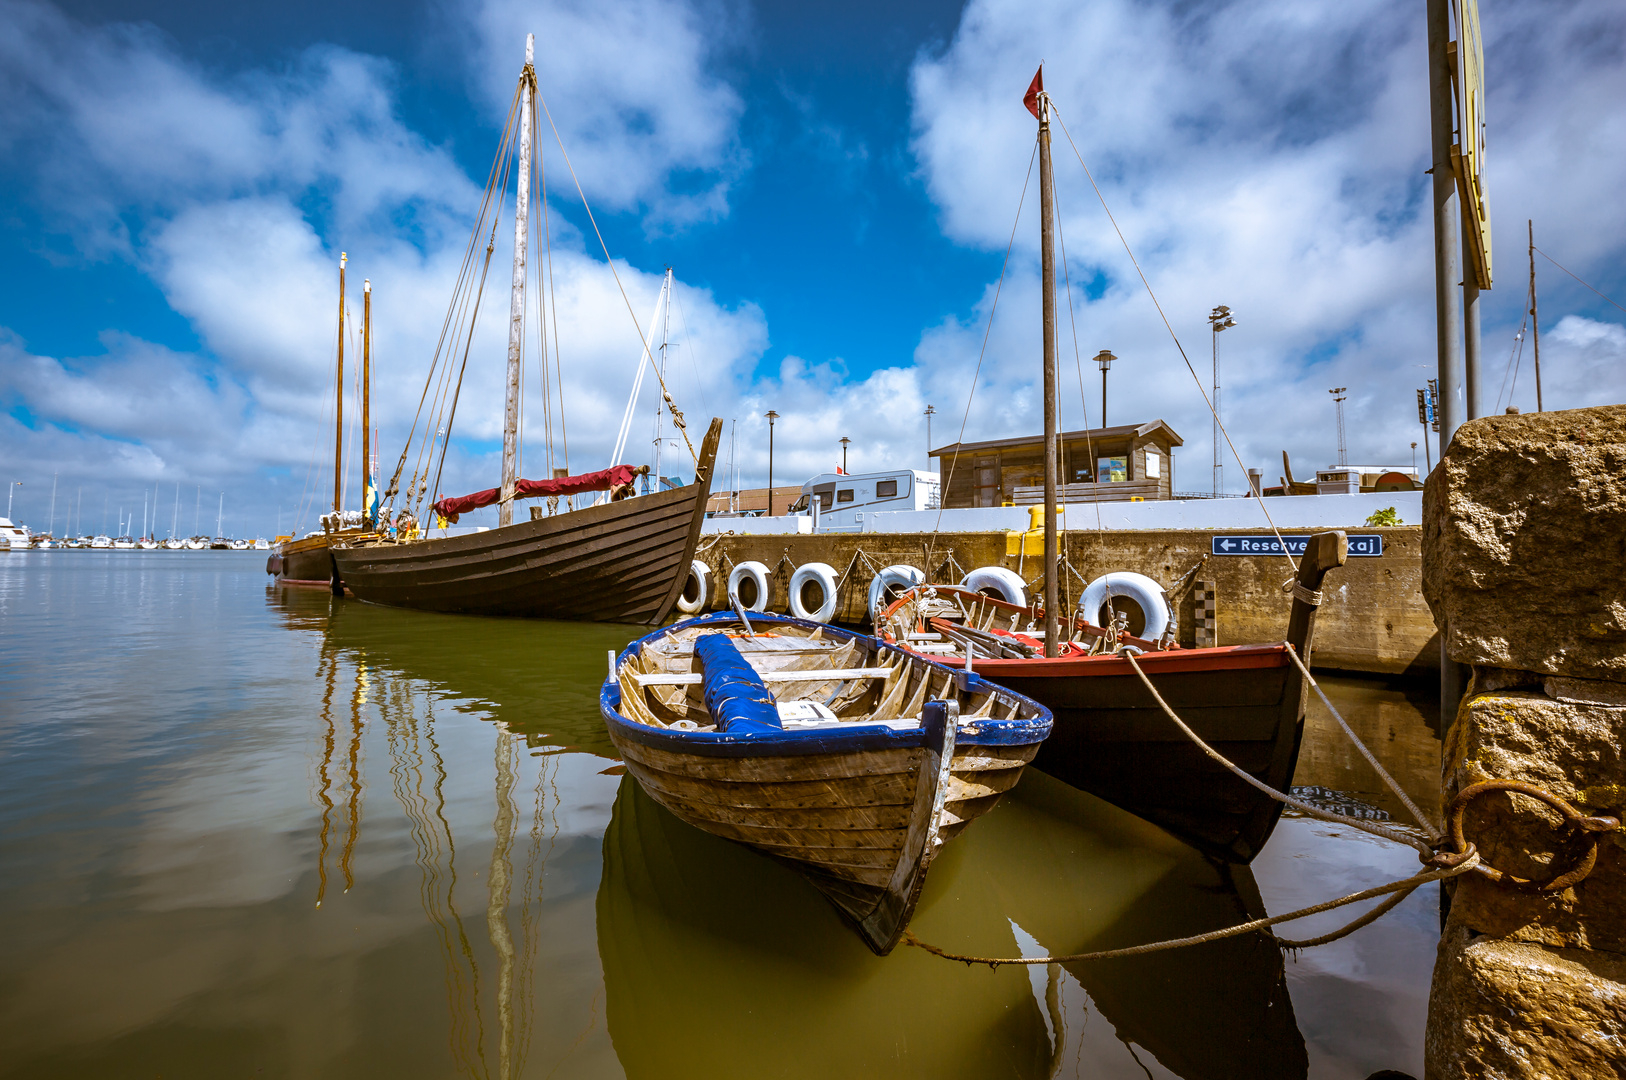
x,y
842,820
859,809
309,560
1114,741
618,562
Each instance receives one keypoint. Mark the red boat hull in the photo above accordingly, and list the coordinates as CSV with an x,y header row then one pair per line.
x,y
1113,740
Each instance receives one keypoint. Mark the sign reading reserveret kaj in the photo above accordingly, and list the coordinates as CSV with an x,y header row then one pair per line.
x,y
1267,545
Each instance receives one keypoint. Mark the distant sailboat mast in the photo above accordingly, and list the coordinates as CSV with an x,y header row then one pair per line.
x,y
516,301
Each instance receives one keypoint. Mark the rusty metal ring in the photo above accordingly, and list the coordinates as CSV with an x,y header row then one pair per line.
x,y
1573,818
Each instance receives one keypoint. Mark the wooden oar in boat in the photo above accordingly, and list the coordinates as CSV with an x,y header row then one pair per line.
x,y
846,757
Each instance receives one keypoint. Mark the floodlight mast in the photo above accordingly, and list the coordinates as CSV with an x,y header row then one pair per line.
x,y
1219,319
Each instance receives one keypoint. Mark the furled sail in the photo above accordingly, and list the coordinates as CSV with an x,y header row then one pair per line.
x,y
603,480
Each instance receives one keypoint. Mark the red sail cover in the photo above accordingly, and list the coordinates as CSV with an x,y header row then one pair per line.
x,y
452,507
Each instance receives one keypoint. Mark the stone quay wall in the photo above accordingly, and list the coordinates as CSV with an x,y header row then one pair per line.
x,y
1373,618
1524,548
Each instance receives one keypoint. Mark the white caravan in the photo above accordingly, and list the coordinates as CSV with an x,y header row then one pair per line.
x,y
838,502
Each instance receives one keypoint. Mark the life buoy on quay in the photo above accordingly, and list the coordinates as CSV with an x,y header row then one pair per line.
x,y
1147,594
751,586
999,583
890,583
696,592
813,592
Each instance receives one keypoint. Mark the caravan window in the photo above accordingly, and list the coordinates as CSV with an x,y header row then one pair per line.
x,y
886,489
798,506
825,499
844,495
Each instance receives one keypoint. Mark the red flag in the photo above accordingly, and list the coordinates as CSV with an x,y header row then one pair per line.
x,y
1035,88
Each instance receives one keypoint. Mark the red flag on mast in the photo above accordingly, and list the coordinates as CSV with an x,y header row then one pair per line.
x,y
1035,88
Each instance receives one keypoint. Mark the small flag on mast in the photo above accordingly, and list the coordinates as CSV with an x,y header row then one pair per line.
x,y
1035,88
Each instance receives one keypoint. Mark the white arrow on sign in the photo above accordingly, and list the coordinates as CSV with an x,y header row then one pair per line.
x,y
1227,544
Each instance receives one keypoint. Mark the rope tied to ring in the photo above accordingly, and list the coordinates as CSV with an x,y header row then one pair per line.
x,y
1593,827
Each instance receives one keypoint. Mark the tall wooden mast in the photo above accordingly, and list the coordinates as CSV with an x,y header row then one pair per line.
x,y
1047,255
516,303
366,392
338,412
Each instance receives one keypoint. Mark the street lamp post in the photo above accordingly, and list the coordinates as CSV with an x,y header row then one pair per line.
x,y
929,413
772,416
844,442
1219,319
1104,359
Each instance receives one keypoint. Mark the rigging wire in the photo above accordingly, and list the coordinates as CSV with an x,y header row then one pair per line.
x,y
451,330
1556,263
1514,358
1288,555
982,353
1072,321
677,416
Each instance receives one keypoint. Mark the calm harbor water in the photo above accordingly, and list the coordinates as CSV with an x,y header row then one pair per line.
x,y
252,832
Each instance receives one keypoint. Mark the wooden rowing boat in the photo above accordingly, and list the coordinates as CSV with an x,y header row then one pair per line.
x,y
1112,738
620,561
848,758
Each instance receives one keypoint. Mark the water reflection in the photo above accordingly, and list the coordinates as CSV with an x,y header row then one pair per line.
x,y
494,904
692,930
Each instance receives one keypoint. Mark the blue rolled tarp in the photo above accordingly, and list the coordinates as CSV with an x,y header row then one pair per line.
x,y
736,697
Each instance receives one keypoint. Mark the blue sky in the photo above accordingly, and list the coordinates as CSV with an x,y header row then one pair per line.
x,y
833,185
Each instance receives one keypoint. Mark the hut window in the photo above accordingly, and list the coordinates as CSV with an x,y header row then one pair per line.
x,y
1154,467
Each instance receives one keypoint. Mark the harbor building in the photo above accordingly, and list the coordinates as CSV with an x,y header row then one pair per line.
x,y
1129,462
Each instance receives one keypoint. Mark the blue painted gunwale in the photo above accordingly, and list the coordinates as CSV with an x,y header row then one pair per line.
x,y
857,737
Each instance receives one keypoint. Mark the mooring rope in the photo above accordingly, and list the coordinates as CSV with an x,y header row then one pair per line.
x,y
1445,865
1383,774
1279,796
1401,889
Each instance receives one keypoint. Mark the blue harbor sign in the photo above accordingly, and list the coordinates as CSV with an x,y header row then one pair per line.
x,y
1268,545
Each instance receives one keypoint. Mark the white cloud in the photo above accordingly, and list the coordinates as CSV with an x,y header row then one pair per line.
x,y
222,173
1270,157
645,118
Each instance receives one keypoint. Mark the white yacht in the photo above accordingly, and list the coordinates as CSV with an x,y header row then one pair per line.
x,y
101,542
125,543
261,545
14,537
173,544
197,543
147,544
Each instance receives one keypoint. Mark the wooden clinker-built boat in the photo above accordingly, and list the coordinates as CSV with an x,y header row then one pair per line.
x,y
619,561
1112,738
847,758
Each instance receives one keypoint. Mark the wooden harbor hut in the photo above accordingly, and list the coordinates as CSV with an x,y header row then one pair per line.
x,y
1133,461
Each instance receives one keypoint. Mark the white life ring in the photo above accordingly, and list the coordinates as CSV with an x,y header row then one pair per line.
x,y
891,583
818,579
750,585
1153,601
696,589
998,582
